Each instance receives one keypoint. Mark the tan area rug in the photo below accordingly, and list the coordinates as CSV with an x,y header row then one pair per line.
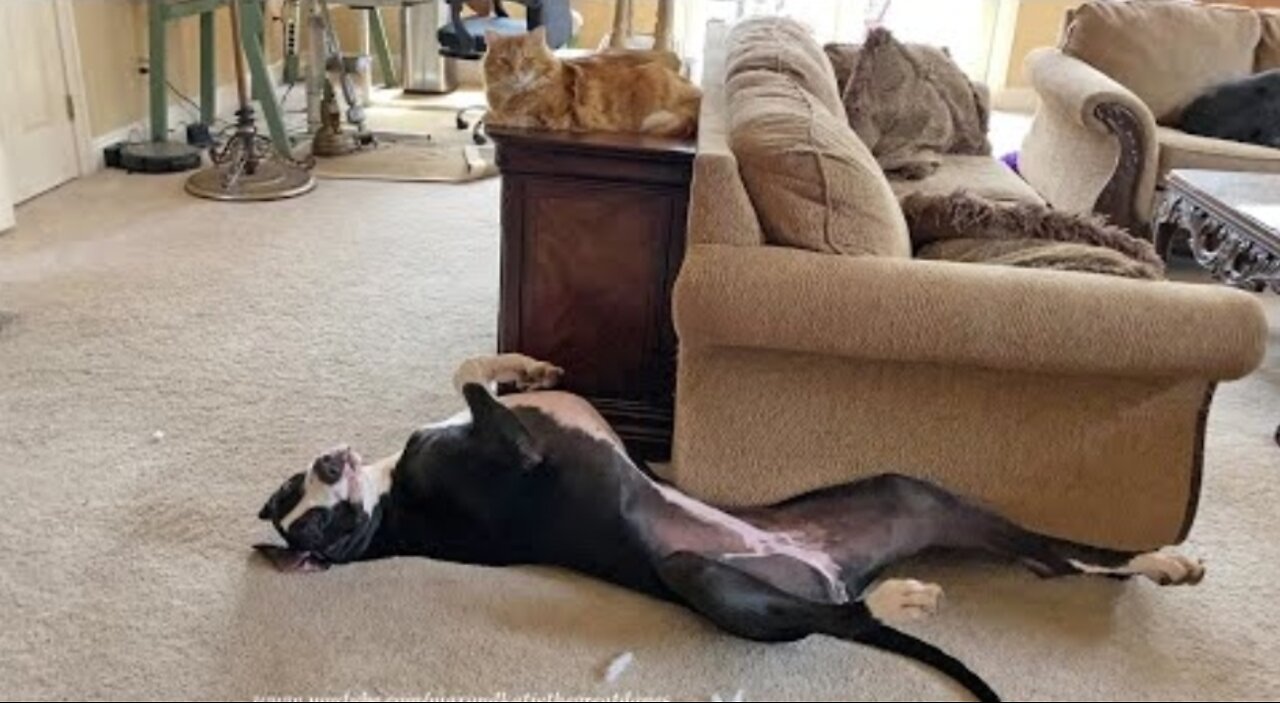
x,y
415,145
256,335
398,157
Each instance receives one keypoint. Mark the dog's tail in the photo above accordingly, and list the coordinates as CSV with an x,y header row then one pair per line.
x,y
888,639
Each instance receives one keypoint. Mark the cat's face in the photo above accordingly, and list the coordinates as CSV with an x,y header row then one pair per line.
x,y
516,63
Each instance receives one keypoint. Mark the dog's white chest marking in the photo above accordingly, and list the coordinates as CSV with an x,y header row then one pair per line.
x,y
568,410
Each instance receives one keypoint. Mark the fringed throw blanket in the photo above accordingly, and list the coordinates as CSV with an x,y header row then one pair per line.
x,y
965,227
909,103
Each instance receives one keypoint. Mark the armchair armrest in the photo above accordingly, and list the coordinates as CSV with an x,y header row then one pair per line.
x,y
1078,89
1093,145
950,313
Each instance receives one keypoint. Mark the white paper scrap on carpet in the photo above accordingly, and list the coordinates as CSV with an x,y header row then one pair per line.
x,y
618,667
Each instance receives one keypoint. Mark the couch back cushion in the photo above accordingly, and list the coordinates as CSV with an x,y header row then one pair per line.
x,y
814,185
1269,47
1167,52
783,46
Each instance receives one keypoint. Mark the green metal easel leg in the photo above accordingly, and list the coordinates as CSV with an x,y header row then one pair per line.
x,y
380,44
251,32
157,67
208,70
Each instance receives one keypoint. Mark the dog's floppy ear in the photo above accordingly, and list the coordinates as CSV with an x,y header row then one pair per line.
x,y
290,560
496,424
283,500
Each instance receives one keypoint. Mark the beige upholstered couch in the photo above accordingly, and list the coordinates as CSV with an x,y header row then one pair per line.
x,y
1104,137
1073,402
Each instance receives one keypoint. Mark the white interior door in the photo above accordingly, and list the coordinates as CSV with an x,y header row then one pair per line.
x,y
36,128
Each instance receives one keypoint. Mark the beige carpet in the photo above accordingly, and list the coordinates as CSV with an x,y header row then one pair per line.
x,y
254,336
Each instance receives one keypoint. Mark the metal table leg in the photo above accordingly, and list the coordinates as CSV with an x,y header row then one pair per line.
x,y
382,47
251,33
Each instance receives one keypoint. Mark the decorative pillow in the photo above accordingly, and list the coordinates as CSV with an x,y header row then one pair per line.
x,y
844,59
784,46
966,227
1268,56
1166,51
813,184
910,103
1246,110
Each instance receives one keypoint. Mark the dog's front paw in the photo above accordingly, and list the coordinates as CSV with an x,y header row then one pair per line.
x,y
538,375
1168,568
903,600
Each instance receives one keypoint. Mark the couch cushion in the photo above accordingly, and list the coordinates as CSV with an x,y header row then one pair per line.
x,y
813,184
1165,51
980,175
910,103
1181,150
783,46
1269,48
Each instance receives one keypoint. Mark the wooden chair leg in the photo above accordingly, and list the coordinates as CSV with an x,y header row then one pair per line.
x,y
621,25
663,35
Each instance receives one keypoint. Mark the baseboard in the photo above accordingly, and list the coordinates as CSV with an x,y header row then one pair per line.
x,y
180,115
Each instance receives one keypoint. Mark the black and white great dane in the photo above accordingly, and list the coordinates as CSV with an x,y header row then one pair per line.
x,y
538,477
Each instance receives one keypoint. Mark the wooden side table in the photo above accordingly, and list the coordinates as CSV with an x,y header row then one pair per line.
x,y
593,234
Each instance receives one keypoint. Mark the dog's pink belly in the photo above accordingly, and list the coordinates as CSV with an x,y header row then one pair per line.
x,y
787,561
783,560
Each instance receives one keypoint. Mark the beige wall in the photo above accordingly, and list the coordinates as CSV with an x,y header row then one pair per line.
x,y
597,19
113,43
1039,24
112,35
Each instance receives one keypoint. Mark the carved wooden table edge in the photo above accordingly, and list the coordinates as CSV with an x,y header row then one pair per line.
x,y
1232,246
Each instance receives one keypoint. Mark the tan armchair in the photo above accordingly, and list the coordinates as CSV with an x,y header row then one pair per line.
x,y
1104,135
1075,403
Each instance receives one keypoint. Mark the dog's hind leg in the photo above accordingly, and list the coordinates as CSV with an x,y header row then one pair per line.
x,y
1050,557
868,525
963,525
751,608
527,373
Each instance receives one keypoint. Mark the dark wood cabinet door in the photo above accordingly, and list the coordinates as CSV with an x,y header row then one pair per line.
x,y
595,302
593,236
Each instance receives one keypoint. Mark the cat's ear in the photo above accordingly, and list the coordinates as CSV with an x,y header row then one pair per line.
x,y
491,37
538,36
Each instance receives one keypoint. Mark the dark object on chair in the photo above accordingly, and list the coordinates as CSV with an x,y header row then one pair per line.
x,y
463,37
1245,110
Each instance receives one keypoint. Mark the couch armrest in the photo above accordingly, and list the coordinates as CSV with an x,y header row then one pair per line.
x,y
964,314
1078,89
1093,145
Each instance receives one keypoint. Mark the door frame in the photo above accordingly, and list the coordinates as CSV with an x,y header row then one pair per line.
x,y
72,69
73,76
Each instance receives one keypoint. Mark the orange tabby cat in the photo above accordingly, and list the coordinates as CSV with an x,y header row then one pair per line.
x,y
631,91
